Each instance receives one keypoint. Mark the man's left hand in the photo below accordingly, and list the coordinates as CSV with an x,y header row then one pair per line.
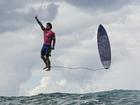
x,y
52,48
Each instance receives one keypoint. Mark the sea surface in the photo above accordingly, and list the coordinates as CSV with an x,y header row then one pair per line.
x,y
114,97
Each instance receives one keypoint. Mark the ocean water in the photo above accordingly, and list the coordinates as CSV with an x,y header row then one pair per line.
x,y
114,97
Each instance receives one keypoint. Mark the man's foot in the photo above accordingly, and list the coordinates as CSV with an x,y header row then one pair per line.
x,y
49,68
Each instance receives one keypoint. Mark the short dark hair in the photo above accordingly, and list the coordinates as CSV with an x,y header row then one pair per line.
x,y
49,24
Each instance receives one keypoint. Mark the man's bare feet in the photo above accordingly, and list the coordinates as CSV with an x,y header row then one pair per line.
x,y
49,68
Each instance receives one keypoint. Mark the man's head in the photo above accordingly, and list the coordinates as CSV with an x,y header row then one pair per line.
x,y
48,26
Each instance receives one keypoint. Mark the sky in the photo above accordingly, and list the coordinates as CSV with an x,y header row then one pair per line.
x,y
75,23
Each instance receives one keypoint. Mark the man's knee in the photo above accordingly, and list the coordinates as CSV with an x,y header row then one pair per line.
x,y
47,57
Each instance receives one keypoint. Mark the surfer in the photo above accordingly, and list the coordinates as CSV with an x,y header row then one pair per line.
x,y
49,43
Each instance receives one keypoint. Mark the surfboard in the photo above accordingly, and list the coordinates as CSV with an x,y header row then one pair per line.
x,y
104,47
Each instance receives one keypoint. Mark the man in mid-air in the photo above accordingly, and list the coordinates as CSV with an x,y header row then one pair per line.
x,y
49,43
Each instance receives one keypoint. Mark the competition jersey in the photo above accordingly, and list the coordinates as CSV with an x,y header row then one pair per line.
x,y
48,37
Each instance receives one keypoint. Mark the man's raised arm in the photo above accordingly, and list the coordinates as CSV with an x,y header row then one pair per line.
x,y
42,27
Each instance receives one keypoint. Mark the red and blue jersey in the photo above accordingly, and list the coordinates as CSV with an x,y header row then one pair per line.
x,y
48,37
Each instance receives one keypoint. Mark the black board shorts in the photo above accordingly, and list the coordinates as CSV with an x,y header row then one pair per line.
x,y
46,50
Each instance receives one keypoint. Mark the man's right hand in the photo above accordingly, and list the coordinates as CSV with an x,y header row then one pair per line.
x,y
36,17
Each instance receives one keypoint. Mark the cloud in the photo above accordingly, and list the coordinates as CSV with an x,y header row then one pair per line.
x,y
48,13
14,17
93,5
16,61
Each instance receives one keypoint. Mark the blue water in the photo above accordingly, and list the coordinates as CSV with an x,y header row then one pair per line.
x,y
114,97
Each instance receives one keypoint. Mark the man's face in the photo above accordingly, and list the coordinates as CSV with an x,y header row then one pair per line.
x,y
48,27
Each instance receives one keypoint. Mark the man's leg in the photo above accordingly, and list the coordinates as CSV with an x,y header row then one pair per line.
x,y
48,62
45,61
